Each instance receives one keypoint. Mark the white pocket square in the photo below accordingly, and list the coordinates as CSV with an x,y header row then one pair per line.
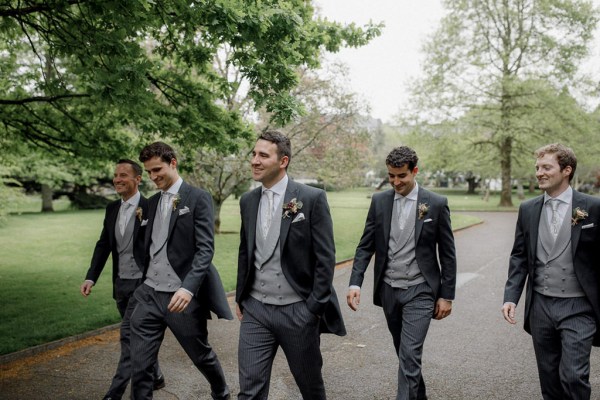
x,y
427,220
299,217
587,226
144,222
184,210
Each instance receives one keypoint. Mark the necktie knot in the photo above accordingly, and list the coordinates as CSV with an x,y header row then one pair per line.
x,y
166,203
123,216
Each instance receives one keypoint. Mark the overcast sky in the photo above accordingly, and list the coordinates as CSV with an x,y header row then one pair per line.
x,y
380,70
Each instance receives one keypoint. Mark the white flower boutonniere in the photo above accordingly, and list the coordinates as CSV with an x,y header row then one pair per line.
x,y
176,200
578,215
423,210
291,208
139,213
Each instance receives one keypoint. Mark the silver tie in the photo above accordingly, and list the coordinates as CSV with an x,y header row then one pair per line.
x,y
165,206
401,219
269,212
554,221
123,217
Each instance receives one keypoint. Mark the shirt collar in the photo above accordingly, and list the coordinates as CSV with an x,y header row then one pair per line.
x,y
133,200
565,197
413,195
174,189
279,188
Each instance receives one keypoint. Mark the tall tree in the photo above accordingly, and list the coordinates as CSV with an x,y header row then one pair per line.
x,y
489,56
74,72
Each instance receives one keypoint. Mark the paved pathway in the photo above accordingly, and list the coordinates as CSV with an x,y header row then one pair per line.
x,y
473,354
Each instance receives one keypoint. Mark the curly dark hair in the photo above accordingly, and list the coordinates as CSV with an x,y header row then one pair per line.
x,y
158,149
402,155
565,155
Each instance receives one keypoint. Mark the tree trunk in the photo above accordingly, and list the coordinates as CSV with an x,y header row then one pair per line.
x,y
472,182
47,199
217,210
505,166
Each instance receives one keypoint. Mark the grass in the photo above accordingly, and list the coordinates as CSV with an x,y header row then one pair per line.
x,y
44,258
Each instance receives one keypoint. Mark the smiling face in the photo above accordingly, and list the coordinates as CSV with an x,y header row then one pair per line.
x,y
126,181
550,178
402,179
267,167
163,174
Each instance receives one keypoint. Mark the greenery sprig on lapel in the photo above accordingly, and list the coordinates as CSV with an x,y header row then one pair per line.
x,y
291,208
579,214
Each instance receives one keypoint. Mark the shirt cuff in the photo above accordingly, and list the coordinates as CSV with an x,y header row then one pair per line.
x,y
356,287
90,281
187,291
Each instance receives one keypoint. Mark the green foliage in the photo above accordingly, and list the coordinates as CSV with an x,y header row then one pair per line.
x,y
75,76
501,70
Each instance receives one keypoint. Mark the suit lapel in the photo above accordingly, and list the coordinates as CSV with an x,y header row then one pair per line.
x,y
251,215
388,208
578,201
534,223
184,193
290,193
112,223
152,205
422,198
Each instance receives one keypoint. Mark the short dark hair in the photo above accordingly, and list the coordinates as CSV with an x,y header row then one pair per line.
x,y
565,155
402,155
137,169
158,149
284,146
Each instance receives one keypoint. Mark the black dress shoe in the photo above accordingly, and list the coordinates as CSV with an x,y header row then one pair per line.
x,y
159,383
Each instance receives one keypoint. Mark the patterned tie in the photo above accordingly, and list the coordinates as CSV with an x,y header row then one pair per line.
x,y
554,225
123,216
400,210
269,212
165,206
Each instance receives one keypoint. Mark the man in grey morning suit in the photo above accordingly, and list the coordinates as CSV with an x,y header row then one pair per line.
x,y
284,296
557,252
123,236
181,286
408,229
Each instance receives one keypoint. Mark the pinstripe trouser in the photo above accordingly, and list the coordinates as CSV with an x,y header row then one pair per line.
x,y
264,328
563,331
408,313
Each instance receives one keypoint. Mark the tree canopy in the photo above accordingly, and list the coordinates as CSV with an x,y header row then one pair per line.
x,y
501,64
90,77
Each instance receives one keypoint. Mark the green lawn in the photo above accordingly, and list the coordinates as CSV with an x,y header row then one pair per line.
x,y
44,257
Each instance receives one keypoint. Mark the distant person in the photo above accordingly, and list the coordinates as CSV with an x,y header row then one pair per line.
x,y
286,263
557,254
123,236
180,286
408,230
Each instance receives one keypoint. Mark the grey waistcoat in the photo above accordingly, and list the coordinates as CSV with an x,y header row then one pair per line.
x,y
161,276
402,269
128,268
554,271
270,285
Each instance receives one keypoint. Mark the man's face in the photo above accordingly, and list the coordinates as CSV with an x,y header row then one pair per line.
x,y
267,168
402,179
126,181
550,178
163,174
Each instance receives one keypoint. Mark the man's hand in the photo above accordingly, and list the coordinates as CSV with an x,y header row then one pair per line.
x,y
508,311
353,298
179,301
238,312
443,308
86,288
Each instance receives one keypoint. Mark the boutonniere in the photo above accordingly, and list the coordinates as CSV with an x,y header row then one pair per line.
x,y
423,210
291,208
139,213
578,215
176,200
